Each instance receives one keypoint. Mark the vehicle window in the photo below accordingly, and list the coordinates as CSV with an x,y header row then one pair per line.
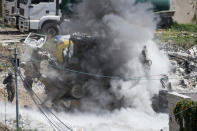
x,y
24,1
38,1
10,0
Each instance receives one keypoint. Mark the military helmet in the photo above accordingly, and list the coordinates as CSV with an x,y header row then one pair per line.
x,y
9,72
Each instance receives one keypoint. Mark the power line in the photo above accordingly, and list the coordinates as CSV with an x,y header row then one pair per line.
x,y
112,77
95,75
50,122
107,76
72,130
41,101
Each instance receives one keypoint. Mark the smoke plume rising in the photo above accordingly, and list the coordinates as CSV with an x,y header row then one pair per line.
x,y
124,28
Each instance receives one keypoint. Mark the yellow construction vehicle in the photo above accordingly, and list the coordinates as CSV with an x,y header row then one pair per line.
x,y
64,49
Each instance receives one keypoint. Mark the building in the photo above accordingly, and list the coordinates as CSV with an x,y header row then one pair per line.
x,y
186,11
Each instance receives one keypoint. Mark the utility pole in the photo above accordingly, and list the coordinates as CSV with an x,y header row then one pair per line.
x,y
16,69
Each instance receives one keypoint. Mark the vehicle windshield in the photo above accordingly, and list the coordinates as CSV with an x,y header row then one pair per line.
x,y
24,1
10,0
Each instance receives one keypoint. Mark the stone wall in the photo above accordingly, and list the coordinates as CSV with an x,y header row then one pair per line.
x,y
186,11
173,98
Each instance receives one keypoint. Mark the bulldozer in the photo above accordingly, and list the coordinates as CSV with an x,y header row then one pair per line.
x,y
71,64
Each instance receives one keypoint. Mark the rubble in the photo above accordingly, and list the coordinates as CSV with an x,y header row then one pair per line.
x,y
3,127
184,67
181,78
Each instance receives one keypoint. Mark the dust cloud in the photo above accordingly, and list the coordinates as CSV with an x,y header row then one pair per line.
x,y
124,27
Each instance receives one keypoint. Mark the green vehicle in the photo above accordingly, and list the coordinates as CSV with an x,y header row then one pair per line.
x,y
161,8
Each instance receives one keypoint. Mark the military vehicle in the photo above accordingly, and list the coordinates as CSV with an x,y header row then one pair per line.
x,y
65,73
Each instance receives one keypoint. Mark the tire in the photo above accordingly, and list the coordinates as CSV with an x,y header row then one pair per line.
x,y
52,29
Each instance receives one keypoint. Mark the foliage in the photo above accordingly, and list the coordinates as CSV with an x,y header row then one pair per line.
x,y
184,27
185,113
184,35
19,129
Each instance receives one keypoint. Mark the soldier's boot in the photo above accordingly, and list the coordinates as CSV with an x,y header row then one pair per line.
x,y
12,94
9,95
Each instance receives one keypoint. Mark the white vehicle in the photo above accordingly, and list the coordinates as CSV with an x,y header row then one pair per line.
x,y
40,15
45,16
10,12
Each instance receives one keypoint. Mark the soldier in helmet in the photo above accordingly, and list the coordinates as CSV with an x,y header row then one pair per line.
x,y
9,80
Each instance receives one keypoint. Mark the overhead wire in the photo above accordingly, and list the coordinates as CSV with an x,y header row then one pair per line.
x,y
148,77
89,74
41,101
50,122
176,113
107,76
112,77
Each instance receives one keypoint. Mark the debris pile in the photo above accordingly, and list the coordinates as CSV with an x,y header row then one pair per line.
x,y
183,73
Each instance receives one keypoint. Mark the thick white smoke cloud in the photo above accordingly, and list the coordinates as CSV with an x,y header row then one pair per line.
x,y
130,27
127,27
124,120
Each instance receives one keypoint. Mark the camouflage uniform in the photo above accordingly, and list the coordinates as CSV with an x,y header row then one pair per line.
x,y
10,87
32,67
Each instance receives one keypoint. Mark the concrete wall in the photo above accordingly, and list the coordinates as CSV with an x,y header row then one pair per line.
x,y
186,10
173,98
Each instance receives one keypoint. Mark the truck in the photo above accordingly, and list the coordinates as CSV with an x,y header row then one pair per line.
x,y
9,13
45,16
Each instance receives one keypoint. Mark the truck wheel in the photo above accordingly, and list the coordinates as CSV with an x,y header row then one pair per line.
x,y
77,92
50,29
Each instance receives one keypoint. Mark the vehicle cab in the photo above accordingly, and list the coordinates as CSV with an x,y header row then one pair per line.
x,y
34,14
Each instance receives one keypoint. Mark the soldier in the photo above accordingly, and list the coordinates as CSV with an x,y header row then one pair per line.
x,y
10,86
165,82
144,53
32,68
144,59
